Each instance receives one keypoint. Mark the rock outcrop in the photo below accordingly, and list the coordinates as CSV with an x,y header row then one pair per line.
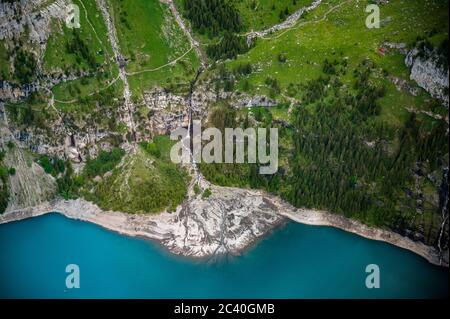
x,y
425,70
34,17
13,92
30,185
288,23
401,84
168,110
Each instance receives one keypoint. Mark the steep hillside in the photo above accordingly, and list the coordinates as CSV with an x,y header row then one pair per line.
x,y
144,182
72,95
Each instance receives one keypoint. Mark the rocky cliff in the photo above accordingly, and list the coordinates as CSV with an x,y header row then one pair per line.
x,y
428,73
32,17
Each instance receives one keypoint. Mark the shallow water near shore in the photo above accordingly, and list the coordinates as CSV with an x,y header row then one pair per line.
x,y
295,261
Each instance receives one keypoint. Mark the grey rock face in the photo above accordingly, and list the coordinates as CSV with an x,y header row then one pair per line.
x,y
230,220
428,75
169,112
34,16
400,47
257,100
14,93
401,84
30,185
288,23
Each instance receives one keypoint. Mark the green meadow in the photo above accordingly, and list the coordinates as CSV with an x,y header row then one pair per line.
x,y
151,39
92,32
336,30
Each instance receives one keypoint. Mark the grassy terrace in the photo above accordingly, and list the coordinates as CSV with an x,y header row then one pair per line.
x,y
92,31
151,39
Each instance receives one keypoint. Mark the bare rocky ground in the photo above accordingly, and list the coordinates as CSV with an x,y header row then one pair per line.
x,y
30,185
33,17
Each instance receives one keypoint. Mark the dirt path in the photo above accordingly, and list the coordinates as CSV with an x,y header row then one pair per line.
x,y
162,66
128,107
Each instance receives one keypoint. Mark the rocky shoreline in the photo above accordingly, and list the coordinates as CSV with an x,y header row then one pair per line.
x,y
228,222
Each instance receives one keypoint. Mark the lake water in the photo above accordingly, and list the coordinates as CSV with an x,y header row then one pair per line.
x,y
295,261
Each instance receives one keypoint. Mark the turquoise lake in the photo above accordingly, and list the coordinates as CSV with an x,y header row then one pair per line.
x,y
295,261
